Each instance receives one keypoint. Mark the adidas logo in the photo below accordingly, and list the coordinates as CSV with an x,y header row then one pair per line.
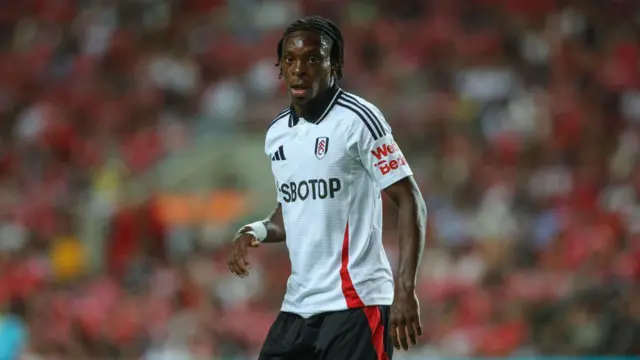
x,y
279,155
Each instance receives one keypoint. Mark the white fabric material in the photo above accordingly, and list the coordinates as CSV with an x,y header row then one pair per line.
x,y
258,230
329,177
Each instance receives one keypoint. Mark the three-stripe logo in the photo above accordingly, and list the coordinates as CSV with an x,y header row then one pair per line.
x,y
279,155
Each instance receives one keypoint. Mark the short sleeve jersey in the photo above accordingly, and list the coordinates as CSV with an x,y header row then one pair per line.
x,y
329,176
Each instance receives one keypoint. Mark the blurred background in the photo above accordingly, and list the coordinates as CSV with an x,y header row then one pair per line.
x,y
131,149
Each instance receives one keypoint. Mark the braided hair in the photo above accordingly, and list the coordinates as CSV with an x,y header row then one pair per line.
x,y
321,27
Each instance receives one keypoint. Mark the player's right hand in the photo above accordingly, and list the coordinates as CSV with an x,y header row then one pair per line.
x,y
237,259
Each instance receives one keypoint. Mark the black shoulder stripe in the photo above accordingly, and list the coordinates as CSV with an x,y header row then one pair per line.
x,y
361,116
281,115
376,122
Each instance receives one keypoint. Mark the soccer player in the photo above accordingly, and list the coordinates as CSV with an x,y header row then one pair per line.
x,y
332,154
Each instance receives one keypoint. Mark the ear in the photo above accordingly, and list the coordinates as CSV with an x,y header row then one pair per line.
x,y
334,71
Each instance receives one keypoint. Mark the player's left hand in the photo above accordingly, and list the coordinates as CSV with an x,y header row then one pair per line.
x,y
404,320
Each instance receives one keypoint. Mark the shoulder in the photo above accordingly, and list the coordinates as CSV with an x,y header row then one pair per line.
x,y
363,115
279,120
276,128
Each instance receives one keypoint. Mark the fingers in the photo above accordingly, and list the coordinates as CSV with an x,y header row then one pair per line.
x,y
411,334
405,332
402,337
242,263
399,337
237,265
414,329
237,260
417,324
394,337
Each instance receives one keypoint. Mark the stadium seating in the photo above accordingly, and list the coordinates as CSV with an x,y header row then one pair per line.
x,y
519,118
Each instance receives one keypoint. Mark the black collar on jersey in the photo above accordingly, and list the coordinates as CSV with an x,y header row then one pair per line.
x,y
319,107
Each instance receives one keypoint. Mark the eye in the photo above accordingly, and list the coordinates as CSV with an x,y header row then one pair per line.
x,y
314,60
288,59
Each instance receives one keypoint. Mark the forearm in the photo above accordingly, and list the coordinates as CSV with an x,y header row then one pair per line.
x,y
412,218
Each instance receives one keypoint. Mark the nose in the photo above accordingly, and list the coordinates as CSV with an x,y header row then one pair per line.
x,y
298,68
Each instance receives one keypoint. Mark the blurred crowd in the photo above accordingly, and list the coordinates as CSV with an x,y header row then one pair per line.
x,y
520,119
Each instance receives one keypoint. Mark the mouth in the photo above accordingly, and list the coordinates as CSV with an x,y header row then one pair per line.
x,y
299,90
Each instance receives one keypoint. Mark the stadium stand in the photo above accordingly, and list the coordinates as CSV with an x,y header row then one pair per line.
x,y
521,119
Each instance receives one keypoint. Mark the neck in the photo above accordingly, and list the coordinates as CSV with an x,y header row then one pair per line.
x,y
316,106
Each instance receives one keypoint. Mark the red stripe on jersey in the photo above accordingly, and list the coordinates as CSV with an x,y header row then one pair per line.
x,y
350,294
377,330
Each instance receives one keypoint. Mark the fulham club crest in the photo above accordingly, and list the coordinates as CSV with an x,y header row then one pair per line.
x,y
322,145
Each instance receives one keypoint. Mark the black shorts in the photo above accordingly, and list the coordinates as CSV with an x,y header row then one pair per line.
x,y
355,334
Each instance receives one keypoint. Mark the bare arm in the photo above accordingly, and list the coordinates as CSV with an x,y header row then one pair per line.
x,y
412,218
405,325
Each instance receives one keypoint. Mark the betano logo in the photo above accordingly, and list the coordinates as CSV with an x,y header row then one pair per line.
x,y
384,165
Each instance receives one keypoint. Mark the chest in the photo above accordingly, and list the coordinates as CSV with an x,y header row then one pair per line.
x,y
309,150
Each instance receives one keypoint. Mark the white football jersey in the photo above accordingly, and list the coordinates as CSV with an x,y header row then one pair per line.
x,y
329,174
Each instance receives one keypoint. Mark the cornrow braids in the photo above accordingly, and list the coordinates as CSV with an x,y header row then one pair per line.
x,y
322,27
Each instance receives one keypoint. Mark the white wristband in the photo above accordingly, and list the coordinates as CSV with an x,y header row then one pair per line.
x,y
258,230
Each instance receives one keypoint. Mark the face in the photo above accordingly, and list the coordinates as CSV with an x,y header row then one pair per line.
x,y
306,65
